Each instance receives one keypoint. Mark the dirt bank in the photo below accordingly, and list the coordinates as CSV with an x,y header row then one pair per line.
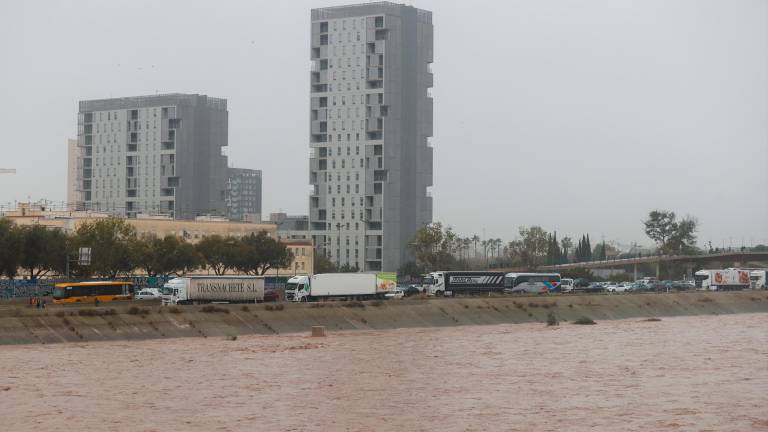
x,y
137,320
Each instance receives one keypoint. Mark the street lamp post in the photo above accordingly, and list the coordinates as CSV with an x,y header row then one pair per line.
x,y
365,243
338,246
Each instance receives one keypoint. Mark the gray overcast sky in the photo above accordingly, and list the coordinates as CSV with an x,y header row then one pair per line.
x,y
577,116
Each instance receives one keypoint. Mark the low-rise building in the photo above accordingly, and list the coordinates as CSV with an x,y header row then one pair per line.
x,y
290,227
161,225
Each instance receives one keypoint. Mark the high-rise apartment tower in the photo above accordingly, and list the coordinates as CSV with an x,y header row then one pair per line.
x,y
153,154
370,119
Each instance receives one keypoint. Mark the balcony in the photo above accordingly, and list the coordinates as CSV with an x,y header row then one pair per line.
x,y
319,127
374,125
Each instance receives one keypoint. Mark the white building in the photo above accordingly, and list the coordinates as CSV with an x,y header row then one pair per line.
x,y
370,118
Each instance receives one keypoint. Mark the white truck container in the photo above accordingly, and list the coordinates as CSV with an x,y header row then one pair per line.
x,y
722,280
214,289
758,279
340,285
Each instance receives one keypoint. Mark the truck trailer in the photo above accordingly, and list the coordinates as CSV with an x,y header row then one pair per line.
x,y
451,283
350,286
213,289
722,280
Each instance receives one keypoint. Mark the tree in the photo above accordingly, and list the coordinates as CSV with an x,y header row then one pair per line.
x,y
218,253
10,248
112,243
566,244
258,253
346,268
583,251
670,235
323,265
475,239
600,253
166,256
42,250
531,249
410,271
149,254
434,247
185,259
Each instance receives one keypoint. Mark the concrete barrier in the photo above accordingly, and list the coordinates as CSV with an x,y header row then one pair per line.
x,y
20,324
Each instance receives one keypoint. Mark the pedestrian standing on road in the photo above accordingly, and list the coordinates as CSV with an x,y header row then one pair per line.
x,y
43,304
37,302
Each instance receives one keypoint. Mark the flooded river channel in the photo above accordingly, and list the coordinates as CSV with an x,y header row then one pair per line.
x,y
707,373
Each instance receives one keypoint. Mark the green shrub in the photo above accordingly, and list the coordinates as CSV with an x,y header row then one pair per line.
x,y
133,310
552,319
585,321
214,309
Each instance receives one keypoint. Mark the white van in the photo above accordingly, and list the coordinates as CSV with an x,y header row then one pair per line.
x,y
566,285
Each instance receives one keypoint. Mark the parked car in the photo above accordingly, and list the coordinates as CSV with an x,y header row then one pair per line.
x,y
147,294
635,287
395,294
620,287
683,285
656,286
591,288
271,295
411,291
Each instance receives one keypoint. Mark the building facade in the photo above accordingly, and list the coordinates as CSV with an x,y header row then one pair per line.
x,y
290,227
157,154
243,195
370,120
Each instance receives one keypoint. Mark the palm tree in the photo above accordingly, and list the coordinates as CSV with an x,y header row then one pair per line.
x,y
467,242
475,239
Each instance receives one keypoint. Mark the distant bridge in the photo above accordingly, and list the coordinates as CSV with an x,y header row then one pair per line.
x,y
691,260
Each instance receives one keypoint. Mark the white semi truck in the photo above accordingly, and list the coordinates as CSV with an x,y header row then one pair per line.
x,y
350,286
213,289
722,280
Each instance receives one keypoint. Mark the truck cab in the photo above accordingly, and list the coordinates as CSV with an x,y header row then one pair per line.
x,y
433,284
297,289
174,292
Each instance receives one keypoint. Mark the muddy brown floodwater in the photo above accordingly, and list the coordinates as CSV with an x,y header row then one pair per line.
x,y
680,374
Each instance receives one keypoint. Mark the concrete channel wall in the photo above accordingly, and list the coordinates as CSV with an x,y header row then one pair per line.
x,y
20,324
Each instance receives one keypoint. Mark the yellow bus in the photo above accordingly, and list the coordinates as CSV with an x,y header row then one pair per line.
x,y
82,292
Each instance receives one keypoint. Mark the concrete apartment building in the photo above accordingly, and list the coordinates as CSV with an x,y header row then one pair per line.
x,y
370,119
153,154
243,195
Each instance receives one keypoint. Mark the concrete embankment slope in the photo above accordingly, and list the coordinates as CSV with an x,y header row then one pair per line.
x,y
139,320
